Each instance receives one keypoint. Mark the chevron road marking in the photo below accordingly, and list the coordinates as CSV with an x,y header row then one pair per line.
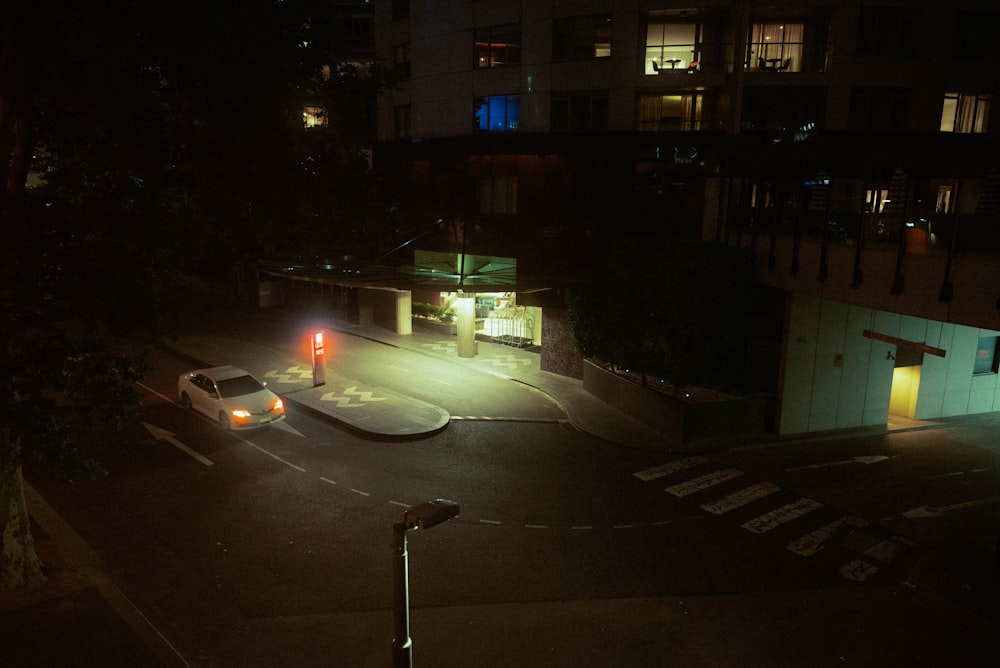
x,y
345,401
287,376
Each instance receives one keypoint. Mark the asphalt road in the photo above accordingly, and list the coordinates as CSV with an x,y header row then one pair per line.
x,y
275,546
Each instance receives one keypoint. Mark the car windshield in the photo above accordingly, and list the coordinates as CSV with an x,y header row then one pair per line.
x,y
236,387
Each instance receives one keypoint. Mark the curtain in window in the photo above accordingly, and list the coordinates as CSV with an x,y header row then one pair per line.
x,y
649,112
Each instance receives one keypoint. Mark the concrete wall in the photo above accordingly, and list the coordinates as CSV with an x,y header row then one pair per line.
x,y
834,377
676,419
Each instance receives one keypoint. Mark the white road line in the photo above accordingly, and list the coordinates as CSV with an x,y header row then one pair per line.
x,y
269,454
536,526
152,391
668,468
488,522
236,436
358,491
581,528
397,503
327,480
784,514
704,482
740,498
164,435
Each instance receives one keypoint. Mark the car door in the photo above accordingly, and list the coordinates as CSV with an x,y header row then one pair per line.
x,y
206,397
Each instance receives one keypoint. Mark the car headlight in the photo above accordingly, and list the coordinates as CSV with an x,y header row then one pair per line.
x,y
278,405
240,413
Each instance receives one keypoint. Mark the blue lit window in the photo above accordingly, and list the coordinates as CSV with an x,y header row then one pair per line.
x,y
498,113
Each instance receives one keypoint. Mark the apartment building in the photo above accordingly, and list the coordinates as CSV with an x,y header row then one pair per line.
x,y
851,146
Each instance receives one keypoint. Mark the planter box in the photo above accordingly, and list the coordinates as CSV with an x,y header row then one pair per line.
x,y
449,329
677,420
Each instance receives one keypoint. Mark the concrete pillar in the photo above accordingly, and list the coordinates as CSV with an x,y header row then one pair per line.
x,y
404,312
366,307
465,323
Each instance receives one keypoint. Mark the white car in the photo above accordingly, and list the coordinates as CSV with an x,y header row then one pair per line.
x,y
231,396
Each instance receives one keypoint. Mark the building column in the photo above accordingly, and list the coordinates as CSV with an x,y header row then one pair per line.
x,y
366,307
465,323
404,313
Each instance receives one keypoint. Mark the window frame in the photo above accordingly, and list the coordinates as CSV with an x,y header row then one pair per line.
x,y
579,38
657,49
955,116
993,356
596,117
491,104
485,45
691,106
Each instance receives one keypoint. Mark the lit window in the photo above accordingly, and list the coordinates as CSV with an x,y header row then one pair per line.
x,y
776,46
876,199
314,117
497,113
986,355
670,46
497,46
964,112
670,112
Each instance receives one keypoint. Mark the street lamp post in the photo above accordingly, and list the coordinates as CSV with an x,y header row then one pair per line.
x,y
420,516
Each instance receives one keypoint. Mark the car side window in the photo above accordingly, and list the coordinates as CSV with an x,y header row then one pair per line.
x,y
210,386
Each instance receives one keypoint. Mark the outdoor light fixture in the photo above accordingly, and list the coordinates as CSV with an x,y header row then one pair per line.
x,y
420,516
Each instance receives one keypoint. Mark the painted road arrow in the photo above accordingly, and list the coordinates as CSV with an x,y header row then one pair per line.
x,y
924,512
861,459
163,435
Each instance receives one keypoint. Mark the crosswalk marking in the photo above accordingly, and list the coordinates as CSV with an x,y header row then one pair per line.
x,y
740,498
811,543
858,570
703,482
871,548
668,468
784,514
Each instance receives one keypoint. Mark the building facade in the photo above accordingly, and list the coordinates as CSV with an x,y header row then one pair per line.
x,y
851,147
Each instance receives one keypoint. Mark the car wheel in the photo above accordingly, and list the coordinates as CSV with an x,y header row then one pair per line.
x,y
185,400
223,420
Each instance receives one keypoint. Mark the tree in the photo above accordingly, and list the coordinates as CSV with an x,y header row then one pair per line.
x,y
676,310
83,254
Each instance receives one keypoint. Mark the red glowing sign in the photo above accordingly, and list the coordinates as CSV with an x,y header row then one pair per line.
x,y
317,343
